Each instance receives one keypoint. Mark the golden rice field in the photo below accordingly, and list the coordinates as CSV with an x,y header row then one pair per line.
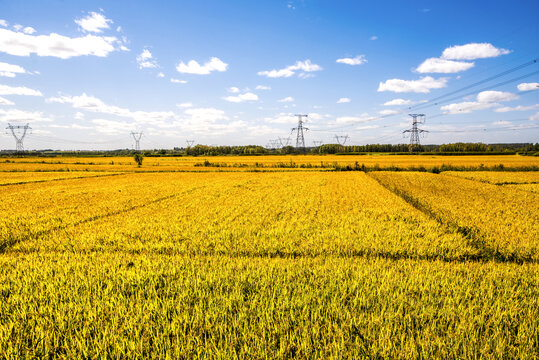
x,y
180,263
237,163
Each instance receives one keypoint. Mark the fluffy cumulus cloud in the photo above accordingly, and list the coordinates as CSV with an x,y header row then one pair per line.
x,y
528,86
396,102
473,51
363,118
343,100
10,70
495,96
388,112
233,90
193,67
4,101
16,115
282,118
112,127
248,96
436,65
93,104
145,60
423,85
485,100
286,99
18,90
304,67
3,23
94,22
63,47
517,108
358,60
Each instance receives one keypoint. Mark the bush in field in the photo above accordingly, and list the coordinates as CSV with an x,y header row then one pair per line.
x,y
138,159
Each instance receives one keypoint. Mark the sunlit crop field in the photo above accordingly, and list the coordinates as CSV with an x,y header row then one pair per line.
x,y
279,264
238,163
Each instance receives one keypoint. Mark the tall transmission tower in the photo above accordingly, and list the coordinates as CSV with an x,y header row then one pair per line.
x,y
137,136
341,139
317,142
300,139
415,131
284,141
190,142
19,132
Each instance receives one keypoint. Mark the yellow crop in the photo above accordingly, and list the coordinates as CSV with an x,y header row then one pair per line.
x,y
177,261
499,178
500,221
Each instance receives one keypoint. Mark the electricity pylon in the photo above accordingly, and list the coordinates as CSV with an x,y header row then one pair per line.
x,y
137,136
300,139
19,135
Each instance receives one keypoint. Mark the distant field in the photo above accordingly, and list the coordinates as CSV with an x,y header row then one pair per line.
x,y
238,163
292,264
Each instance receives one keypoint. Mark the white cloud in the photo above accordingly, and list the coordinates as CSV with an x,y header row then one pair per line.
x,y
358,60
94,22
185,105
15,115
388,112
209,115
286,99
484,100
18,90
146,60
193,67
517,108
395,102
19,44
10,70
374,37
423,85
233,90
262,87
178,81
93,104
3,23
282,118
363,118
4,101
112,127
534,117
29,30
436,65
495,96
473,51
528,86
249,96
160,75
17,27
304,66
79,116
466,107
343,100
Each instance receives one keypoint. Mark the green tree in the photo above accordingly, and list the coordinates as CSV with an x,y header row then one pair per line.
x,y
138,159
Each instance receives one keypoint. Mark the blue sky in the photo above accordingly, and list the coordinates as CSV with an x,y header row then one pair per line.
x,y
86,74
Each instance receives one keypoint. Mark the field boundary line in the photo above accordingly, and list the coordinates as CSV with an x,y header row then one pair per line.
x,y
69,178
12,242
474,236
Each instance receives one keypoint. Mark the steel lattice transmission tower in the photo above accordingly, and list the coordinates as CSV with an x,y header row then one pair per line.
x,y
317,143
190,143
19,132
342,138
415,131
137,136
300,139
